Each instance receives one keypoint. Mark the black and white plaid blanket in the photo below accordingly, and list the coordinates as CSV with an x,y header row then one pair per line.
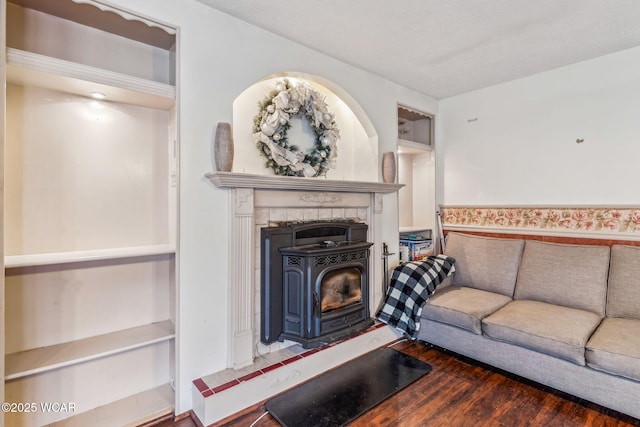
x,y
410,287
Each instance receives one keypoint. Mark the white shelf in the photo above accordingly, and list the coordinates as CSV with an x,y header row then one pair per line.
x,y
43,359
30,260
411,228
134,410
411,147
32,69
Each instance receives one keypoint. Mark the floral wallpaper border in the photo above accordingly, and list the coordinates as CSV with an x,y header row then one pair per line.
x,y
577,219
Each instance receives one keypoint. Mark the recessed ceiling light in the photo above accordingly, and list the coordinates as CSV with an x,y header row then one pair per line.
x,y
98,95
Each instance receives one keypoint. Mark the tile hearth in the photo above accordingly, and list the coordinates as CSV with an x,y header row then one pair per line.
x,y
223,380
224,393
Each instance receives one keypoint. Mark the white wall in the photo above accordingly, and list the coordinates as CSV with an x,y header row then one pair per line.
x,y
515,143
219,57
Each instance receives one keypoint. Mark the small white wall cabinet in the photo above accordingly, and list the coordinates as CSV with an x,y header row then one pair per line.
x,y
416,170
90,213
415,130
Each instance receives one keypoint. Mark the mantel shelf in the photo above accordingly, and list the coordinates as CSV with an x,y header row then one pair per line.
x,y
272,182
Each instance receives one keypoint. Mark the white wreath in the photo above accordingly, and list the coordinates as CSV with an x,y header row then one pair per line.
x,y
272,123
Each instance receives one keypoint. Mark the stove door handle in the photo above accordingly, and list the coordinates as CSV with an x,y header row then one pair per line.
x,y
316,304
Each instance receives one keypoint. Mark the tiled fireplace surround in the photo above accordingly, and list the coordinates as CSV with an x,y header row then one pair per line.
x,y
258,201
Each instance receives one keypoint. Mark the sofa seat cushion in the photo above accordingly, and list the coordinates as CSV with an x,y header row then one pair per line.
x,y
551,329
463,307
615,348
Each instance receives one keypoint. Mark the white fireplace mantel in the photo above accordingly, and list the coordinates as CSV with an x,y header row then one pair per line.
x,y
249,192
245,180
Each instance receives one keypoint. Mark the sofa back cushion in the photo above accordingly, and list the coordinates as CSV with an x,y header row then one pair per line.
x,y
623,299
485,263
569,275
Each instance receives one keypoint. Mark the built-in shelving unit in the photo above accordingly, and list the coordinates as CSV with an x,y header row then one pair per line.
x,y
90,209
416,170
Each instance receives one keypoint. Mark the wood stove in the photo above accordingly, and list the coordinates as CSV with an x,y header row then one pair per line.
x,y
315,282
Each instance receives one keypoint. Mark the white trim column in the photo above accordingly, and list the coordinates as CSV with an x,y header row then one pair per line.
x,y
376,226
241,278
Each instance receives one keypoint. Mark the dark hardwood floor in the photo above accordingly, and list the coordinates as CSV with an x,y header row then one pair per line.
x,y
460,392
184,422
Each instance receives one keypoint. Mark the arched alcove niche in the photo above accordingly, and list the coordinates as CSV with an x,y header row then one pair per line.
x,y
358,145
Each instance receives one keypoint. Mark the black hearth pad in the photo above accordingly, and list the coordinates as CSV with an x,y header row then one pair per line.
x,y
343,394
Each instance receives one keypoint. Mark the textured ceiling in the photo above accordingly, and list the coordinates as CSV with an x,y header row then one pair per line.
x,y
446,47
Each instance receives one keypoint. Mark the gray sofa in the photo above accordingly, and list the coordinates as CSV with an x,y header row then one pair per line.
x,y
567,316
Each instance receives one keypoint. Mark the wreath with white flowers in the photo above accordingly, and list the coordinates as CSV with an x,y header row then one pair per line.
x,y
271,124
